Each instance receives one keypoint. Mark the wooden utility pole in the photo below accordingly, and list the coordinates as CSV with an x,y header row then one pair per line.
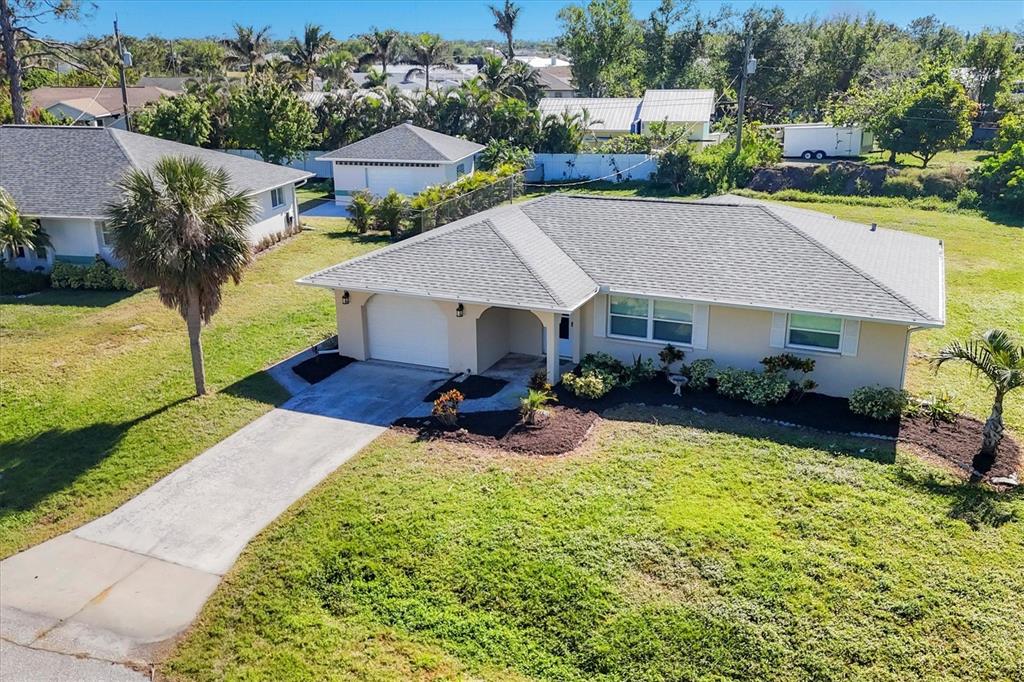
x,y
124,83
746,69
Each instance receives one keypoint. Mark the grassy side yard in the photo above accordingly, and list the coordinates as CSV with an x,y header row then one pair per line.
x,y
96,386
691,548
944,159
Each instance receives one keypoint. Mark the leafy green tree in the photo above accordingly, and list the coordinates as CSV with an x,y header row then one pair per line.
x,y
429,50
247,49
17,231
183,230
185,118
1001,361
841,47
935,38
604,41
267,117
992,58
502,153
1000,177
675,38
505,18
305,54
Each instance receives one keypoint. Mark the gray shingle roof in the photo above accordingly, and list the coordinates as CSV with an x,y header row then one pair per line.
x,y
728,253
406,142
70,171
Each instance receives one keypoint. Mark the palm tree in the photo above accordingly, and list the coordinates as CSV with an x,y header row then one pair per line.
x,y
248,48
1002,362
428,50
382,48
182,229
336,68
375,78
505,21
306,53
17,231
512,79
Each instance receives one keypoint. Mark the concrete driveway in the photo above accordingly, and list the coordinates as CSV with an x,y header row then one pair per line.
x,y
120,588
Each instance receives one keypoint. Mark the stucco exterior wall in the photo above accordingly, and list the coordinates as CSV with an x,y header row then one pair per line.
x,y
492,337
379,180
740,337
271,220
525,332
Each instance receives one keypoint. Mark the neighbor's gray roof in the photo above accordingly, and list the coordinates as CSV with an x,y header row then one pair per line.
x,y
553,253
406,142
70,171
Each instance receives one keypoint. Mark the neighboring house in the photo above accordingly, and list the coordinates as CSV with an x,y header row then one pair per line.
x,y
95,106
64,176
556,81
405,158
540,60
729,279
612,116
175,84
411,78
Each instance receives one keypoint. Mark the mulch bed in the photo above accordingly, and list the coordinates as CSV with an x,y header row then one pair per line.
x,y
957,443
321,366
473,386
560,430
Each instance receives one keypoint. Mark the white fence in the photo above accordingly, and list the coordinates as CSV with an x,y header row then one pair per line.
x,y
611,167
308,162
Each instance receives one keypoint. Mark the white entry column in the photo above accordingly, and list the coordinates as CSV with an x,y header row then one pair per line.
x,y
550,321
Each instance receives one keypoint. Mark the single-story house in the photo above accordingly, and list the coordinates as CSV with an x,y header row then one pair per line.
x,y
405,158
95,106
64,176
730,279
556,81
613,116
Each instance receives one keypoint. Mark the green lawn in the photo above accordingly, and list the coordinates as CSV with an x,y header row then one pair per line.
x,y
96,386
963,157
689,548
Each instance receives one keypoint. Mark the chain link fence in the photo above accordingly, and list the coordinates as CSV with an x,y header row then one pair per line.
x,y
502,190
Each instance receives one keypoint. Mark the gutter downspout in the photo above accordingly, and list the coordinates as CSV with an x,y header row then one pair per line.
x,y
906,353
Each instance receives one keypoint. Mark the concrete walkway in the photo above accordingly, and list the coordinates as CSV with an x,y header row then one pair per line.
x,y
122,587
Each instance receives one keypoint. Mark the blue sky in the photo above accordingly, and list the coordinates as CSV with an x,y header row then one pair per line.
x,y
465,19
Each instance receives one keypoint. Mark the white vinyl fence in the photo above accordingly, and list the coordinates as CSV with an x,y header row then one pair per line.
x,y
308,162
611,167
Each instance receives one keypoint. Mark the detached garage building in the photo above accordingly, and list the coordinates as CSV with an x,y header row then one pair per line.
x,y
730,279
405,158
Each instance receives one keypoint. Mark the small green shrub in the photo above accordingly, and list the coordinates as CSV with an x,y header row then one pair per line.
x,y
968,198
877,402
641,370
361,210
607,364
99,275
589,383
945,182
14,282
904,186
759,388
700,371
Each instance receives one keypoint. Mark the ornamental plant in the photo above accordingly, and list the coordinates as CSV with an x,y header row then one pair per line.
x,y
590,383
446,407
877,402
759,388
700,372
670,355
531,403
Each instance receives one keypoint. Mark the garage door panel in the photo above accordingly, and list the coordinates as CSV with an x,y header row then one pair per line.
x,y
401,179
410,330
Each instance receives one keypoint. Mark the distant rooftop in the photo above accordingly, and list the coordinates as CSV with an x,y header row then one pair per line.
x,y
406,142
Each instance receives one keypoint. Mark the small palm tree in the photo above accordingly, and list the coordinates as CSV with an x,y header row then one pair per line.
x,y
383,45
505,18
17,231
336,68
1001,360
305,54
248,48
428,50
182,229
375,78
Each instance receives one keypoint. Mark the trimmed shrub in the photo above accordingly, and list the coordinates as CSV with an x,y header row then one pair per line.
x,y
700,371
14,282
905,186
879,403
759,388
589,383
99,275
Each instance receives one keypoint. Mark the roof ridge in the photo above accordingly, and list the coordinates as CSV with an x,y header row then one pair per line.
x,y
515,252
124,150
881,285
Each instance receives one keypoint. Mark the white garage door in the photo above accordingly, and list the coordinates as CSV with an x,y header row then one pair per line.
x,y
403,179
410,330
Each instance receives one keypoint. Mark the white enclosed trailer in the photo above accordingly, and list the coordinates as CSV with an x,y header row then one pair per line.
x,y
821,140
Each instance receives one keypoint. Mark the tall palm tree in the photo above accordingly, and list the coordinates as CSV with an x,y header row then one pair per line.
x,y
1001,360
505,18
383,45
305,54
182,229
512,79
248,48
17,231
428,49
336,67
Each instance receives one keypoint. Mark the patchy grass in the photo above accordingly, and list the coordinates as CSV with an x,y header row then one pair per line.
x,y
313,192
97,386
693,548
963,157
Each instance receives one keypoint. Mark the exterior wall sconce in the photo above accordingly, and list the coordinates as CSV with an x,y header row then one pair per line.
x,y
460,311
345,298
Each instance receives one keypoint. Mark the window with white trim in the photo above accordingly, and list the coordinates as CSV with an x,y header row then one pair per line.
x,y
277,197
817,332
106,233
650,319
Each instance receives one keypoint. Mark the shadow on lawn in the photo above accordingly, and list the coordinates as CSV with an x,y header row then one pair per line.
x,y
976,505
46,463
80,298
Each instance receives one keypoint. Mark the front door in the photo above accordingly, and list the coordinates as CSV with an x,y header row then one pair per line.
x,y
564,344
